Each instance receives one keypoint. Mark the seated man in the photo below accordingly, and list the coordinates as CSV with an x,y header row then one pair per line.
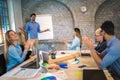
x,y
112,58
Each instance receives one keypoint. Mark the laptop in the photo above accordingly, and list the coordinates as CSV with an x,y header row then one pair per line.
x,y
93,74
41,56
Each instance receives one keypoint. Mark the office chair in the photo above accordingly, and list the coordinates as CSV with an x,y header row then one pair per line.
x,y
2,64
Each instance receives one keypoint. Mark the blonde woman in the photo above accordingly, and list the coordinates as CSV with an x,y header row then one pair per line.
x,y
14,54
101,41
76,42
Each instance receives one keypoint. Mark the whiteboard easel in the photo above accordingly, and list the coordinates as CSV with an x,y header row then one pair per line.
x,y
45,22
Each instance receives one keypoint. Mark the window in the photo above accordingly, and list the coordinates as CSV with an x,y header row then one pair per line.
x,y
4,19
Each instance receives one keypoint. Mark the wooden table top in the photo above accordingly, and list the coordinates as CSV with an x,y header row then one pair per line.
x,y
72,72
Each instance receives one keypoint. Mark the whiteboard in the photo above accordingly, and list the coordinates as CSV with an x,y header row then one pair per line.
x,y
45,22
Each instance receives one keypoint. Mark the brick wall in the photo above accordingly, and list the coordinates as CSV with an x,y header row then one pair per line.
x,y
109,10
67,14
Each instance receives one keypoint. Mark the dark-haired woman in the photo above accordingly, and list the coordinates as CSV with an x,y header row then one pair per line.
x,y
76,42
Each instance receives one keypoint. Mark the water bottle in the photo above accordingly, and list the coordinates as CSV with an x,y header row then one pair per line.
x,y
53,52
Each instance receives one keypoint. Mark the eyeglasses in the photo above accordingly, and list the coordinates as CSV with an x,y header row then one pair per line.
x,y
97,35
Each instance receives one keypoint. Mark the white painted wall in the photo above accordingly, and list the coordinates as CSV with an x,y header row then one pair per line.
x,y
15,14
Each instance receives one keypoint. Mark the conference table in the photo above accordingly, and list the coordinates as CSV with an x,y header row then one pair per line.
x,y
72,72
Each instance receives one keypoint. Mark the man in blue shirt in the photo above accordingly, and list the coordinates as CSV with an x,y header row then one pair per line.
x,y
112,58
32,29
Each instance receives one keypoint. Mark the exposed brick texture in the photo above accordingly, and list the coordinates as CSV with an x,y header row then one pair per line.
x,y
66,15
109,10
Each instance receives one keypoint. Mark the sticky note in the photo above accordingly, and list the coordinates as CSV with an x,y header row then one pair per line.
x,y
78,73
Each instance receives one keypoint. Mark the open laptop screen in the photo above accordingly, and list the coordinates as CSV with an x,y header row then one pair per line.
x,y
40,55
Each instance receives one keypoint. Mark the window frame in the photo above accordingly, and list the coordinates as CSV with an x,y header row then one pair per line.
x,y
4,19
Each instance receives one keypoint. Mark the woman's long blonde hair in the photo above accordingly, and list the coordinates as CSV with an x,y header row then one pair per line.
x,y
78,34
8,42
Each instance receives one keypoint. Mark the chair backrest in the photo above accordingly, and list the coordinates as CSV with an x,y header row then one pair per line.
x,y
2,64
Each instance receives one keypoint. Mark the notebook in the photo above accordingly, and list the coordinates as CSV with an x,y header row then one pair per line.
x,y
93,74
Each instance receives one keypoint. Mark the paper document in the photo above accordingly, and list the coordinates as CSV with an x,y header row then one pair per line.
x,y
60,75
22,73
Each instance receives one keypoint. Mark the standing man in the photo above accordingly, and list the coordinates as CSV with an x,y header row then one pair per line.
x,y
32,29
112,58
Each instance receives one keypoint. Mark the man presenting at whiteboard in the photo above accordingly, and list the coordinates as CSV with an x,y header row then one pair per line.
x,y
32,29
